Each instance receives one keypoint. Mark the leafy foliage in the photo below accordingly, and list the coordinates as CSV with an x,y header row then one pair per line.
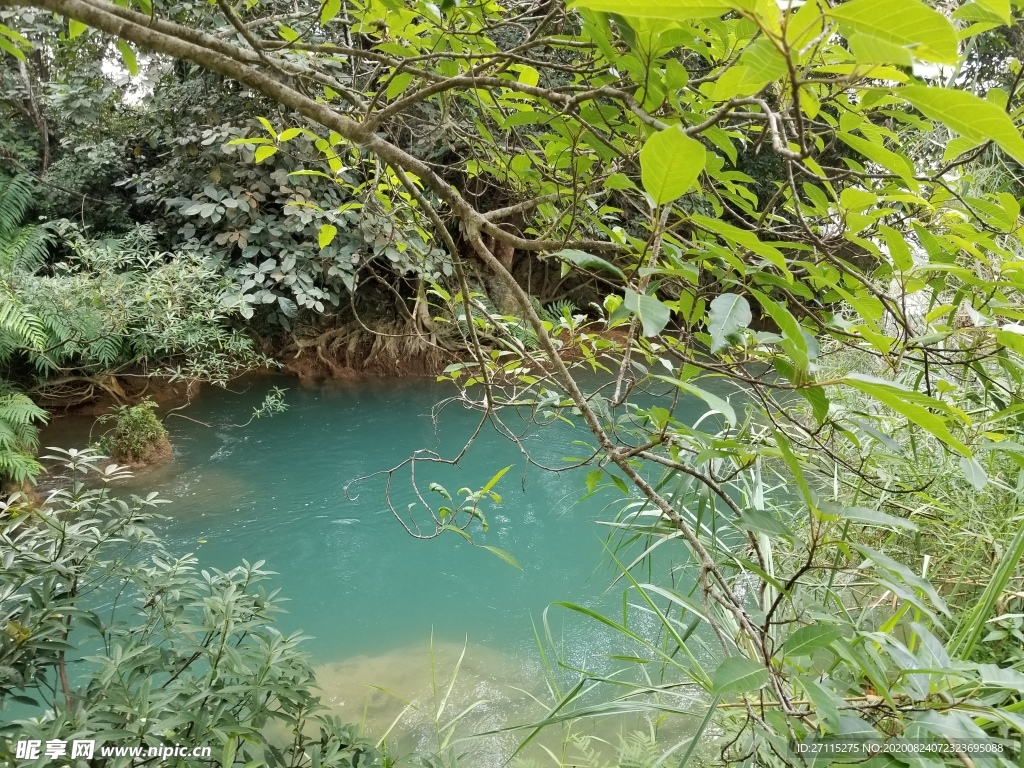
x,y
189,656
136,431
19,436
745,192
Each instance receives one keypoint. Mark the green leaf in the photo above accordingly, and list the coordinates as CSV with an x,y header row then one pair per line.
x,y
714,401
670,163
761,522
326,236
811,638
288,134
227,757
818,399
331,9
75,28
887,159
729,314
747,239
865,516
902,22
654,314
494,480
824,701
972,117
269,128
128,56
907,404
262,153
399,84
659,9
588,261
871,50
794,343
12,49
1000,8
737,674
506,556
974,472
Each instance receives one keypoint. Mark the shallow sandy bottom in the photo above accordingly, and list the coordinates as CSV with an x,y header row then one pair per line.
x,y
400,693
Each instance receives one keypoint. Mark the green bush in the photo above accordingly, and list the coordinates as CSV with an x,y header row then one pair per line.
x,y
195,652
136,435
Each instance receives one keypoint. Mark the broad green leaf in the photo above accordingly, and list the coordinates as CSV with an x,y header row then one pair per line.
x,y
331,9
588,261
729,314
904,23
972,117
12,49
763,61
326,235
884,157
907,404
262,153
794,342
128,56
227,756
288,134
660,9
670,163
899,251
654,314
399,84
985,12
747,239
811,638
761,522
267,126
826,705
1000,8
75,28
974,472
868,49
737,674
818,399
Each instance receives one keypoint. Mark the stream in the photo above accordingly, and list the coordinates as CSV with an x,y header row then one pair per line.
x,y
374,599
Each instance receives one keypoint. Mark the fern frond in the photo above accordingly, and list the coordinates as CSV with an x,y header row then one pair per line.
x,y
25,247
19,436
18,466
19,410
18,323
15,197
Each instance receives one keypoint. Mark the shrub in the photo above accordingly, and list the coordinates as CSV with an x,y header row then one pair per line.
x,y
137,436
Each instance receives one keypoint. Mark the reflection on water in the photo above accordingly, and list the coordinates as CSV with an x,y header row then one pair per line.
x,y
371,596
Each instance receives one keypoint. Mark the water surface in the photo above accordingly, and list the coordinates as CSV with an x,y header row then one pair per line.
x,y
372,597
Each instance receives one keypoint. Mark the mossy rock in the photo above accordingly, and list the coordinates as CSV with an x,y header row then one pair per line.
x,y
137,438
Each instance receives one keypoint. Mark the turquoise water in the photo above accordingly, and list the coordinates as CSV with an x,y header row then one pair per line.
x,y
372,597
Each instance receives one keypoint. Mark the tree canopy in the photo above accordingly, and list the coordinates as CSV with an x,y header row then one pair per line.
x,y
805,215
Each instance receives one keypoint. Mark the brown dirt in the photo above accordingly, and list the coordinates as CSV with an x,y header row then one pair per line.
x,y
156,452
29,494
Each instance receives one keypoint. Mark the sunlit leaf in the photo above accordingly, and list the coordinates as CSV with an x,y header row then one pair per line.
x,y
670,163
737,674
729,313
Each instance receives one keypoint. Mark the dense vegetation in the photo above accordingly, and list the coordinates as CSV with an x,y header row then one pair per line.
x,y
806,215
